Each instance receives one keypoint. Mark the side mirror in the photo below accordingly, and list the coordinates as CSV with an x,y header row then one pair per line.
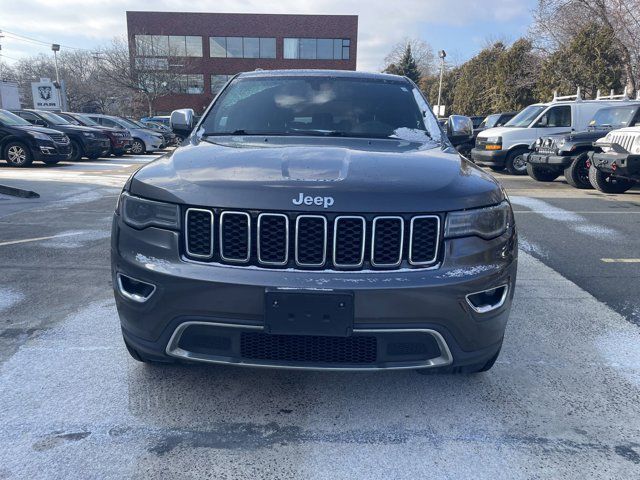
x,y
459,126
182,121
40,123
543,122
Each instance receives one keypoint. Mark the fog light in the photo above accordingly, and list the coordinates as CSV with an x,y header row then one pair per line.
x,y
488,300
133,289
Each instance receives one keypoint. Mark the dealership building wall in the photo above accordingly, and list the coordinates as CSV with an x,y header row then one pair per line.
x,y
202,50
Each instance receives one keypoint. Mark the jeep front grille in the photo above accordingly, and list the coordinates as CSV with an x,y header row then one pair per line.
x,y
312,241
624,140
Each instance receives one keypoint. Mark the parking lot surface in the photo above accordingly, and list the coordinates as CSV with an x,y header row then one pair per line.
x,y
563,400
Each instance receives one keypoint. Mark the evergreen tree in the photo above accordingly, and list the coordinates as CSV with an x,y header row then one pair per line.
x,y
407,66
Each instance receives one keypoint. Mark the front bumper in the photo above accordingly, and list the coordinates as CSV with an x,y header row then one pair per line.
x,y
490,158
426,308
96,146
50,151
550,160
620,164
153,144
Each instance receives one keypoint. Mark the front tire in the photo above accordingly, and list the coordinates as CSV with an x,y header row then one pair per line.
x,y
138,147
607,183
516,163
542,174
17,154
577,174
76,151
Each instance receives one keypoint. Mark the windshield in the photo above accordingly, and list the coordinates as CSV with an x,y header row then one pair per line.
x,y
126,123
490,121
10,119
53,118
349,107
87,121
617,117
69,119
526,116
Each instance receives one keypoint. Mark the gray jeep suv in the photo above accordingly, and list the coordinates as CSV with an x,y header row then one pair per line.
x,y
315,219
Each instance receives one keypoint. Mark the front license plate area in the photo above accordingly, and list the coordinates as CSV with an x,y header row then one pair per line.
x,y
305,313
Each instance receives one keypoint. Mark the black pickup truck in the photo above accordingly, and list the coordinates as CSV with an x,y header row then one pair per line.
x,y
568,153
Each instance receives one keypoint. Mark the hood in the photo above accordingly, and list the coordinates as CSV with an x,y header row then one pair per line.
x,y
360,175
76,128
35,128
498,131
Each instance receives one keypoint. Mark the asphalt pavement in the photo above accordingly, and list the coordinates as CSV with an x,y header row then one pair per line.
x,y
561,402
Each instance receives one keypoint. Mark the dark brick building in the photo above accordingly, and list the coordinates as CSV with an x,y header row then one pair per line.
x,y
203,49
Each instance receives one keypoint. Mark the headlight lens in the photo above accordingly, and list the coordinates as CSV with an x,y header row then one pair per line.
x,y
141,213
486,223
40,136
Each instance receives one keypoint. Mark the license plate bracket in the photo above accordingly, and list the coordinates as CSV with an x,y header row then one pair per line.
x,y
309,313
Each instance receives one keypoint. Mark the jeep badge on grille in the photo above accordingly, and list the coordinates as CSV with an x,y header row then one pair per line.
x,y
325,202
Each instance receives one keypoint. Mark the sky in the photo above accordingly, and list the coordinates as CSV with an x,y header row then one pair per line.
x,y
461,27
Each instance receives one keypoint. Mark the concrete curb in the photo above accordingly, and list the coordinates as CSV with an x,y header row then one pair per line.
x,y
18,192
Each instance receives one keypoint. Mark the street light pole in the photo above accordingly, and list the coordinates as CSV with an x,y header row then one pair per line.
x,y
56,48
442,54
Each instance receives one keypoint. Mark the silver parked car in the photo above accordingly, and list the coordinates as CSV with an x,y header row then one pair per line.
x,y
144,139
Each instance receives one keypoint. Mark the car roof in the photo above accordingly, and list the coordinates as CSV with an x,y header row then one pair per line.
x,y
322,73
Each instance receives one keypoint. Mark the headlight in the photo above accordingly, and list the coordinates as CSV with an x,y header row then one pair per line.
x,y
562,142
40,136
486,223
636,144
141,213
538,142
89,134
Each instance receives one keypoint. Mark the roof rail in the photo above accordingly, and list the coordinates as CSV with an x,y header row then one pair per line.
x,y
612,96
577,97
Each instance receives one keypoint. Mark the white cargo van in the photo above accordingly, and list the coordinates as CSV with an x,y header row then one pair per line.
x,y
506,147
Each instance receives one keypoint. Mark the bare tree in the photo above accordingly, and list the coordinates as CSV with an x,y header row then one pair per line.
x,y
421,51
148,71
557,21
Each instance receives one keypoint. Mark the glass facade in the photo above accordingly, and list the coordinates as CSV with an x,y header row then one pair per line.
x,y
168,45
317,48
242,47
218,81
192,83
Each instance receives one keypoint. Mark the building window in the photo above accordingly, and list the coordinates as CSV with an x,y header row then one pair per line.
x,y
218,81
317,48
242,47
168,46
192,83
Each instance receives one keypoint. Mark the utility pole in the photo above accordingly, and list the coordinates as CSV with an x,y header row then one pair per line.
x,y
442,54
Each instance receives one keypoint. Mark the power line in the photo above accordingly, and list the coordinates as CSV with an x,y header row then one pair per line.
x,y
24,38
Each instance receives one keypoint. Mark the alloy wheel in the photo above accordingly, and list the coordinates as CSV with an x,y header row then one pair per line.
x,y
16,155
520,164
137,147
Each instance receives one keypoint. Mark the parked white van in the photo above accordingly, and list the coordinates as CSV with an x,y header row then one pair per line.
x,y
506,147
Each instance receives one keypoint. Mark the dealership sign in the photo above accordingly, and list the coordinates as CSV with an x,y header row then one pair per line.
x,y
46,96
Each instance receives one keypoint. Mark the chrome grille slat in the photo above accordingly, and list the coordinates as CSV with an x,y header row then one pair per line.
x,y
312,241
308,233
343,247
277,248
235,238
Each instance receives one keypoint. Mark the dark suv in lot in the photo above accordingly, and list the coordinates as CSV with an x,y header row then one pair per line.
x,y
21,143
315,219
85,141
120,138
568,154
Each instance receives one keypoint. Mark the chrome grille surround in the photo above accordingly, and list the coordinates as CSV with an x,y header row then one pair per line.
x,y
333,241
186,233
437,240
373,241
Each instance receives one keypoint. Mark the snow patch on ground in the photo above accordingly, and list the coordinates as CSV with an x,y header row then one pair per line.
x,y
574,221
9,298
75,238
531,248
